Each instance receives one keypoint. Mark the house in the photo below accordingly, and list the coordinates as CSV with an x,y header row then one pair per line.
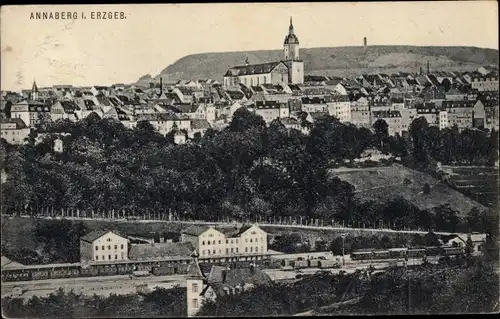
x,y
198,126
339,106
315,116
461,113
103,245
360,112
487,82
220,281
478,241
314,104
227,242
392,118
58,145
14,130
179,137
64,110
271,110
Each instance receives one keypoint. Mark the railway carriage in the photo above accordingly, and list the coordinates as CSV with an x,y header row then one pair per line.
x,y
361,255
381,254
40,275
398,252
416,253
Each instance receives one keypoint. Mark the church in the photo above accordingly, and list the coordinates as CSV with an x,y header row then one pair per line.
x,y
288,71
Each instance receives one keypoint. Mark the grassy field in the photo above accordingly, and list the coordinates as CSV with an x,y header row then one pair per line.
x,y
386,183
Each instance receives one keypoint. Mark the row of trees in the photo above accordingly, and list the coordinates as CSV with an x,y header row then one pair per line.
x,y
158,303
243,171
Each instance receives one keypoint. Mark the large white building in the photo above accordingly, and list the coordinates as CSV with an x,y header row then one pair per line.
x,y
288,71
226,242
103,245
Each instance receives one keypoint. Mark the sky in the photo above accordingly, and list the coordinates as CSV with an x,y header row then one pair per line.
x,y
103,52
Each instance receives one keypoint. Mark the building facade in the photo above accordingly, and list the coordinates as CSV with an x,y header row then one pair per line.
x,y
103,245
288,71
14,130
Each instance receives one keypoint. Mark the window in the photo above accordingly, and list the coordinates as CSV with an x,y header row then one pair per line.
x,y
121,246
208,243
195,287
262,248
109,239
195,303
116,257
251,249
102,247
219,242
236,249
109,247
246,249
256,249
231,250
103,257
231,241
109,257
96,257
203,242
236,240
251,239
116,246
227,241
208,251
213,251
122,256
227,250
203,252
96,247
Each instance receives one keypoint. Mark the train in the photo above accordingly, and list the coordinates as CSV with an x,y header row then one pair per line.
x,y
157,268
417,252
301,263
41,272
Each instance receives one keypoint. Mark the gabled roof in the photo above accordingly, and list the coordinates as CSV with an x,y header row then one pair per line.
x,y
95,234
18,121
236,277
253,69
194,271
195,230
200,124
161,250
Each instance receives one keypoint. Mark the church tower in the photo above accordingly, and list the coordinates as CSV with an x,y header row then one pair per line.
x,y
291,55
34,91
291,46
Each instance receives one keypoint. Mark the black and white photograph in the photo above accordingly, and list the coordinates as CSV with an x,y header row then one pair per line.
x,y
249,159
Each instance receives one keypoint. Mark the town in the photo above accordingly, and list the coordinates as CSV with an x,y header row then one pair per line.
x,y
230,193
274,90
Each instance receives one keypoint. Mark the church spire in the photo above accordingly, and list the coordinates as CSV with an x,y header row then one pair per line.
x,y
290,29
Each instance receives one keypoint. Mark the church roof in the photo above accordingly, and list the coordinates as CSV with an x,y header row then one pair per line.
x,y
252,69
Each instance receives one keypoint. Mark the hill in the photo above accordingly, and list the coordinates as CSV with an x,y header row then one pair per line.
x,y
335,61
387,183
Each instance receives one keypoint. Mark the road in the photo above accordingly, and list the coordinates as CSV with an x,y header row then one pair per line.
x,y
123,284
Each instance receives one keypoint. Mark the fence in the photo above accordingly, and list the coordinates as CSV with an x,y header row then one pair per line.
x,y
163,216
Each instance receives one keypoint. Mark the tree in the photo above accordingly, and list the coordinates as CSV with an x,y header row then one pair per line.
x,y
243,120
419,132
381,132
427,188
